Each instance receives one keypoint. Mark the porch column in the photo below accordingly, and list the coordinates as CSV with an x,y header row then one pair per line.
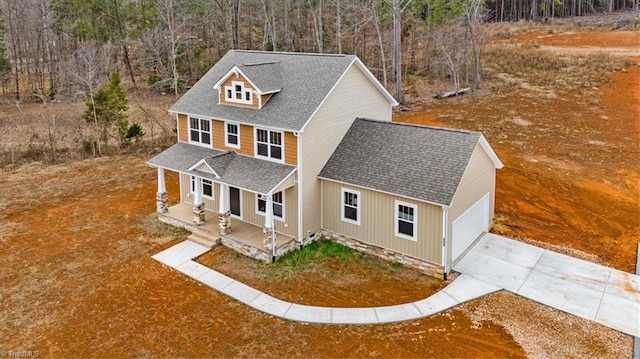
x,y
224,213
269,228
198,204
161,196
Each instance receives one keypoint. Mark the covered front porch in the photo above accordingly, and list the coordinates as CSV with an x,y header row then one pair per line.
x,y
220,179
244,237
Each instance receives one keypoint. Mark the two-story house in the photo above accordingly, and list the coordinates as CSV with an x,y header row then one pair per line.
x,y
271,153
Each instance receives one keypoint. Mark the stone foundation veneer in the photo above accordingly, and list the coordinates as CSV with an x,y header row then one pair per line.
x,y
224,222
268,233
198,214
162,198
386,254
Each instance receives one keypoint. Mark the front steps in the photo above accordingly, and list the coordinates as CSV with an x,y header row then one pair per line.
x,y
204,238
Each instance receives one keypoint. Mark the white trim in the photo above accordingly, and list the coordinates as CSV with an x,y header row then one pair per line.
x,y
282,181
268,158
275,216
235,71
202,194
490,152
198,143
377,83
250,124
199,163
397,203
358,207
226,134
243,91
380,191
241,195
446,259
299,184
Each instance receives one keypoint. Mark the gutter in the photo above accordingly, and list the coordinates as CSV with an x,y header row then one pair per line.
x,y
445,237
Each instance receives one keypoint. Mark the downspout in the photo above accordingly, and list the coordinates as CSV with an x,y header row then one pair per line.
x,y
299,174
445,235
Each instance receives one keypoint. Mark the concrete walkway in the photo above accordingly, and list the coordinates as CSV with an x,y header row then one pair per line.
x,y
588,290
463,289
594,292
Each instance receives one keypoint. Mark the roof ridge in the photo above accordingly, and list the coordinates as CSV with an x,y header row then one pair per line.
x,y
293,53
419,126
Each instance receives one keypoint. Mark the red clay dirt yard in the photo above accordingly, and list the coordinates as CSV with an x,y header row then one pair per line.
x,y
76,238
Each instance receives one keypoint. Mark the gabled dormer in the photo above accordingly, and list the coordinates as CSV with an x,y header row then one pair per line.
x,y
249,85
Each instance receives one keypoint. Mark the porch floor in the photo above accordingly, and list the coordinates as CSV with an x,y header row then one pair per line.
x,y
241,231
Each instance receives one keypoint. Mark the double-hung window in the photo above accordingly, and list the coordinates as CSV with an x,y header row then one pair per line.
x,y
278,204
207,187
350,209
199,130
406,220
238,93
269,144
232,135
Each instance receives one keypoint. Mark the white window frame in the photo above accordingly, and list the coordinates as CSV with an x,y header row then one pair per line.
x,y
244,91
284,213
269,145
396,220
343,194
200,131
202,184
226,134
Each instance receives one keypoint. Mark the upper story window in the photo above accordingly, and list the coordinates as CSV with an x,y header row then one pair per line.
x,y
238,93
269,144
278,204
199,130
350,210
232,135
406,220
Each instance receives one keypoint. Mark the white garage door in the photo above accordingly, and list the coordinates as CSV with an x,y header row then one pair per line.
x,y
469,226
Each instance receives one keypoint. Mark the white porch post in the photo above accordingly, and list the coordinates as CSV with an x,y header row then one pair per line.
x,y
198,205
224,214
269,230
161,196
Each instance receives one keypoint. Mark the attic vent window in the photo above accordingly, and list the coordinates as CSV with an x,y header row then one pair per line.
x,y
238,93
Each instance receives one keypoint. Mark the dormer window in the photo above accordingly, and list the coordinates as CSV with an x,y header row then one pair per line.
x,y
238,93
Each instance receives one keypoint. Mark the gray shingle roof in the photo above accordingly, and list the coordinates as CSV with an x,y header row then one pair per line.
x,y
419,162
267,76
249,173
306,80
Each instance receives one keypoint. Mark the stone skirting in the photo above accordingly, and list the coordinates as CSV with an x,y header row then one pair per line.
x,y
162,199
386,254
224,222
198,214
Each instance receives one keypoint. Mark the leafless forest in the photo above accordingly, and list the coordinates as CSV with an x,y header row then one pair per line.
x,y
52,48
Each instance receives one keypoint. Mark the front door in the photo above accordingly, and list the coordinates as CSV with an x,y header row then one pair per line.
x,y
234,201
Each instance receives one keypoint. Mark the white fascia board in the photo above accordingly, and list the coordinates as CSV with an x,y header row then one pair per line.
x,y
199,163
235,71
377,83
490,152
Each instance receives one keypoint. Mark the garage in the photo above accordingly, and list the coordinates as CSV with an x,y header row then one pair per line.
x,y
469,226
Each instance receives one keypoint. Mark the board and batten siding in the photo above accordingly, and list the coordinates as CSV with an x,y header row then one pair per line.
x,y
479,178
187,197
251,215
354,96
377,221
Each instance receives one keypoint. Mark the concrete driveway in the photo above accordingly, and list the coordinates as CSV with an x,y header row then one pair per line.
x,y
588,290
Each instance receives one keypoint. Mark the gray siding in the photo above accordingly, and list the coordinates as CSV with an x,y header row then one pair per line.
x,y
354,96
479,178
377,222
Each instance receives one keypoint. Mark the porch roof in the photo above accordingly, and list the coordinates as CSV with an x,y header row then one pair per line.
x,y
230,168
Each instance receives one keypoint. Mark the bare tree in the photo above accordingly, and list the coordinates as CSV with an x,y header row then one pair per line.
x,y
452,51
398,8
174,21
89,66
473,11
